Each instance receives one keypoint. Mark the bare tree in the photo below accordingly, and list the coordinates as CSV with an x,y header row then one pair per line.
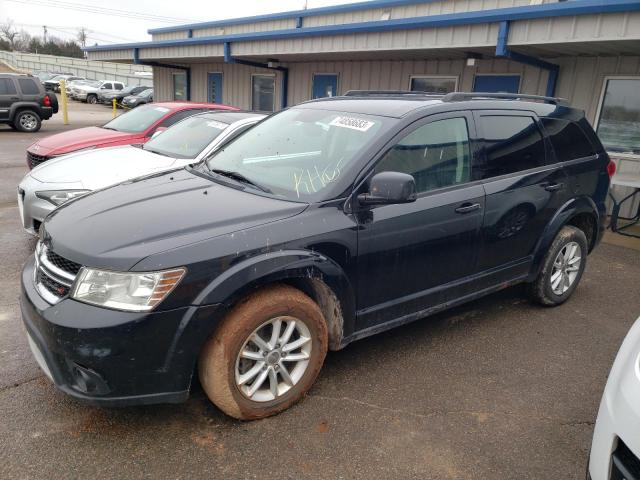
x,y
82,36
9,33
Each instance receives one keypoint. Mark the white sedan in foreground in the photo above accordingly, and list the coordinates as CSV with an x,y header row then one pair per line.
x,y
615,450
193,139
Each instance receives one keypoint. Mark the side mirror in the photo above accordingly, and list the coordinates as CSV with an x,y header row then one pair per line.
x,y
387,188
158,131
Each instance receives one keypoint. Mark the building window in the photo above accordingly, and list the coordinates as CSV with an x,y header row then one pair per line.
x,y
619,119
433,84
263,92
180,86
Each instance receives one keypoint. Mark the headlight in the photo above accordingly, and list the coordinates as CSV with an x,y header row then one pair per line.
x,y
135,292
58,197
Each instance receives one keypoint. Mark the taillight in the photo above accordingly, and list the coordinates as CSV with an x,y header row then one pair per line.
x,y
47,101
611,168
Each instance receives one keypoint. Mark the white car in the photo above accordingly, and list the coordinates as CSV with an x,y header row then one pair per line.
x,y
193,139
615,450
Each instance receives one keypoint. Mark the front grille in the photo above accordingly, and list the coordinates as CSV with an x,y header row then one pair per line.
x,y
57,289
625,465
34,160
54,274
62,263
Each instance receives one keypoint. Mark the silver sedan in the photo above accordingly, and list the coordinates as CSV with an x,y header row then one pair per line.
x,y
57,181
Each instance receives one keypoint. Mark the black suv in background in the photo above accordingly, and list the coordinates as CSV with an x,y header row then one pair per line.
x,y
24,102
325,223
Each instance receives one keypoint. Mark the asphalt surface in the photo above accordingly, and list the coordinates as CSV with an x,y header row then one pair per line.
x,y
496,389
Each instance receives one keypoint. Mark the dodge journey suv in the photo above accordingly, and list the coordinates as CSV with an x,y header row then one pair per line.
x,y
325,223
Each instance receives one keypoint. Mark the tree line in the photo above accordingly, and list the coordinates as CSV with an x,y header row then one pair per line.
x,y
12,39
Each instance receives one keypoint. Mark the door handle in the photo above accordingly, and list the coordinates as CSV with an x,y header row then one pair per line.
x,y
468,208
14,98
552,187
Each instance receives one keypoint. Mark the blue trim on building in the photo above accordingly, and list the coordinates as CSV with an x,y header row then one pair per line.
x,y
502,50
571,8
310,12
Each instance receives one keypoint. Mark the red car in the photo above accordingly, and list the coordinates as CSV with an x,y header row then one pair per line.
x,y
136,126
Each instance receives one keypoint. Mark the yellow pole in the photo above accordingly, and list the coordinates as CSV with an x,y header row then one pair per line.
x,y
113,102
63,96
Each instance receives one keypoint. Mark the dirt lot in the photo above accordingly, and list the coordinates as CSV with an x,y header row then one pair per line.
x,y
496,389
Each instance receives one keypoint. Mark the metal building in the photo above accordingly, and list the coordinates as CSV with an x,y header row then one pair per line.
x,y
587,51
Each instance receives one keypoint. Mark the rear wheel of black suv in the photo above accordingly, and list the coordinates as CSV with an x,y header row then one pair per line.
x,y
562,268
265,355
27,121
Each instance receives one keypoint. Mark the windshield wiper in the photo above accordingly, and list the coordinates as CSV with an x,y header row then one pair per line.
x,y
240,177
144,147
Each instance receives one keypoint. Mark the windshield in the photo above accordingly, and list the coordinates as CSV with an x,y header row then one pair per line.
x,y
300,152
186,139
137,120
145,93
93,84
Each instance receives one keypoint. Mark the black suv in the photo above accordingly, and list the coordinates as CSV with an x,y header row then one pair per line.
x,y
325,223
24,102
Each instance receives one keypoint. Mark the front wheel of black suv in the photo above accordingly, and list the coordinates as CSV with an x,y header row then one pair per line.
x,y
27,121
562,268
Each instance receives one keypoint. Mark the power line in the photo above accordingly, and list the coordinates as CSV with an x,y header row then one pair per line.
x,y
70,30
102,10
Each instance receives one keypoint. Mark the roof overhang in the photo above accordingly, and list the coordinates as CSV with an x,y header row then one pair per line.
x,y
529,12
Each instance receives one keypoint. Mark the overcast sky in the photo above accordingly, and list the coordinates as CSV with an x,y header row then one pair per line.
x,y
103,28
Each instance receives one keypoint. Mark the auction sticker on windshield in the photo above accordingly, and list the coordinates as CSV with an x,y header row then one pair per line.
x,y
216,124
353,123
161,109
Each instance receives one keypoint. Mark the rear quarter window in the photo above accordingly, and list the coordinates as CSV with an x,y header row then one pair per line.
x,y
28,86
568,140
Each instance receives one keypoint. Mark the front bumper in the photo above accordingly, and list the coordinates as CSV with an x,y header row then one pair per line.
x,y
618,423
114,358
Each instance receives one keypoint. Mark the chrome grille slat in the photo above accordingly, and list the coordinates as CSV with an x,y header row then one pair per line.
x,y
53,282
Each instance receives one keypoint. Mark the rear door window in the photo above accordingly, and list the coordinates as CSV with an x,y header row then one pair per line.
x,y
568,140
511,144
119,86
28,86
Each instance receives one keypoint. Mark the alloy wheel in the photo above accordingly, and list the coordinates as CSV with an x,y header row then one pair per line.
x,y
565,268
28,121
273,359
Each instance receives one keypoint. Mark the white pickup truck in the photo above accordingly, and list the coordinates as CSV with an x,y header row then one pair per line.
x,y
89,92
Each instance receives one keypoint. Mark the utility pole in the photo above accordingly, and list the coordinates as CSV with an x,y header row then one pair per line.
x,y
44,30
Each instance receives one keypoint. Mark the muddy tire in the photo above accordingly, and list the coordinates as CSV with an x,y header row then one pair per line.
x,y
92,99
562,268
266,353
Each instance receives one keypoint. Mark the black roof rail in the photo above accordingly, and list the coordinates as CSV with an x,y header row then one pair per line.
x,y
462,96
390,93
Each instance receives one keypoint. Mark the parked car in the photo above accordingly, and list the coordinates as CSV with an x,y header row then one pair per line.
x,y
615,450
53,84
126,129
107,96
142,98
325,223
24,103
43,76
74,83
189,141
89,92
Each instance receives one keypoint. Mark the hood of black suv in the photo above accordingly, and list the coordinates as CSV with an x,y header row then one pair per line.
x,y
117,227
